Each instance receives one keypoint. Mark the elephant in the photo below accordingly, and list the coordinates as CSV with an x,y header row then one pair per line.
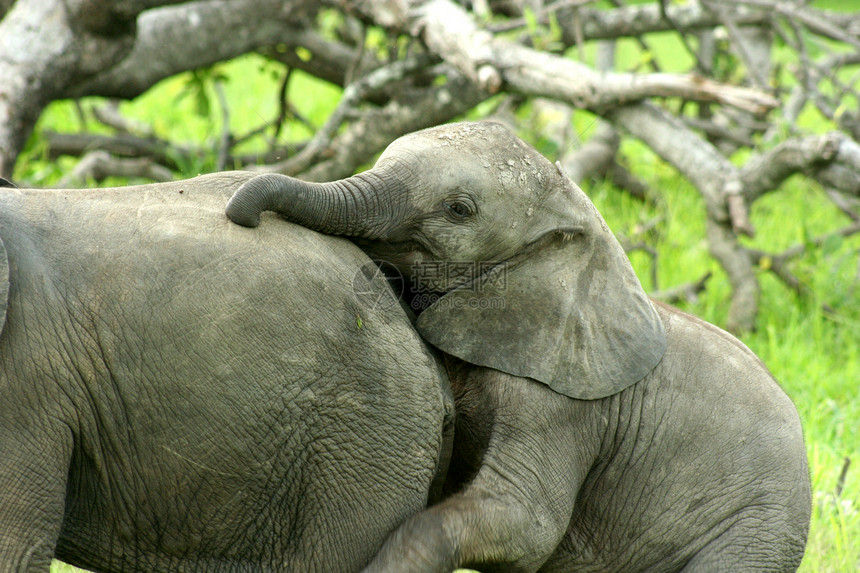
x,y
178,393
596,429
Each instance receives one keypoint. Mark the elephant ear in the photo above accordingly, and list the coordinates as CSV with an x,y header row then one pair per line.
x,y
4,284
571,314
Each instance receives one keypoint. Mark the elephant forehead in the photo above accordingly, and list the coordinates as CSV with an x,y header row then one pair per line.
x,y
481,157
479,139
464,134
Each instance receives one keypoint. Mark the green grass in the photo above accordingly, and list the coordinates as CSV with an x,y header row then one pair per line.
x,y
813,353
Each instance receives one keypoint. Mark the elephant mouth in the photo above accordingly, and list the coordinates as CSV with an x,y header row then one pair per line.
x,y
563,234
559,235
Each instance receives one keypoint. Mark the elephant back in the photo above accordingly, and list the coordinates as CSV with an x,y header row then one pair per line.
x,y
4,284
4,268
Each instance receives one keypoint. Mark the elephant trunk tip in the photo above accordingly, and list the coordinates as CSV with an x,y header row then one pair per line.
x,y
239,213
250,200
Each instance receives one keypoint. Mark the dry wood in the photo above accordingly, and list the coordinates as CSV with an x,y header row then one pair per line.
x,y
352,96
451,33
99,165
687,292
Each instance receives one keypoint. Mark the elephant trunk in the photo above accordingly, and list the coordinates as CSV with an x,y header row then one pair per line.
x,y
359,206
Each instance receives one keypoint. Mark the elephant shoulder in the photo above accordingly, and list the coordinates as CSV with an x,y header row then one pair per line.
x,y
690,327
716,366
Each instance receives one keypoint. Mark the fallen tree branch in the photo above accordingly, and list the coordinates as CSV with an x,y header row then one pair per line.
x,y
687,292
109,115
815,21
170,155
714,130
100,165
779,268
449,31
622,178
410,111
777,263
848,205
832,158
630,21
352,96
801,248
695,158
596,156
199,27
324,58
121,145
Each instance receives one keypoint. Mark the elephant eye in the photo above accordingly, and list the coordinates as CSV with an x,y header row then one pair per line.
x,y
458,209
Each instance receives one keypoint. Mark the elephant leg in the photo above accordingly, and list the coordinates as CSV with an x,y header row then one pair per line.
x,y
749,546
34,464
518,504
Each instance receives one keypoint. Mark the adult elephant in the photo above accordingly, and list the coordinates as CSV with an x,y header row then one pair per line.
x,y
596,430
181,394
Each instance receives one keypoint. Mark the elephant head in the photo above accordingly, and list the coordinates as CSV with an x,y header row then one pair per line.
x,y
530,279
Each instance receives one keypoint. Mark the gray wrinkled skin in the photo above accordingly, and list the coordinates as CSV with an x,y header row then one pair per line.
x,y
178,393
596,430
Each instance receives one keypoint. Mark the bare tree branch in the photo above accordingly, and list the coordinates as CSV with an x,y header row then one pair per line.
x,y
716,179
110,116
688,292
99,165
596,157
777,263
37,42
736,261
352,95
408,112
121,145
642,19
449,31
385,13
199,27
832,158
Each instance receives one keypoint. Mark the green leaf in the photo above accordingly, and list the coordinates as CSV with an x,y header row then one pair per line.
x,y
531,21
832,244
201,102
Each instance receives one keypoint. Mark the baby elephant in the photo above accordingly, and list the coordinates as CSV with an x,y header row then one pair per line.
x,y
597,430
